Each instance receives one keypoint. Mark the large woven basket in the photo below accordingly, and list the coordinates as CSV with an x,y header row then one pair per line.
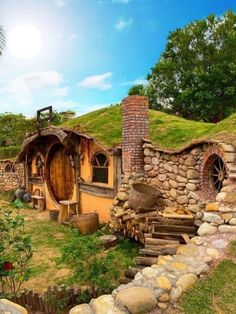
x,y
87,223
143,195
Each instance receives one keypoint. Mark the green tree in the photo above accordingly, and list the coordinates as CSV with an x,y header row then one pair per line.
x,y
196,75
138,90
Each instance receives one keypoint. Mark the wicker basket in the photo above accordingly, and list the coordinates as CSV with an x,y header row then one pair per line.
x,y
143,195
87,223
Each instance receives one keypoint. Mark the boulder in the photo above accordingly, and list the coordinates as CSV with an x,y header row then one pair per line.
x,y
186,281
206,228
192,174
122,196
220,197
181,179
210,217
227,229
173,184
212,207
163,283
175,294
190,161
230,197
232,221
7,306
81,309
137,299
196,151
182,200
191,187
105,304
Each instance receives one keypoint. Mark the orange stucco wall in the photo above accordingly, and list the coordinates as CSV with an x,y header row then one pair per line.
x,y
87,201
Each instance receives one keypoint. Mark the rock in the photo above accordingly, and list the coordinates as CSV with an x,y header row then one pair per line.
x,y
181,179
220,197
8,307
227,229
156,182
155,160
192,174
178,266
137,299
212,207
162,306
213,252
166,185
147,160
220,243
126,205
152,173
81,309
190,161
164,297
206,228
182,200
210,217
163,283
149,272
105,304
147,167
173,184
173,193
194,195
175,294
188,249
226,209
191,187
230,197
227,217
232,221
162,177
122,196
196,151
186,281
148,152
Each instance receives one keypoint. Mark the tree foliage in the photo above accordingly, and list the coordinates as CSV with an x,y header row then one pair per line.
x,y
196,75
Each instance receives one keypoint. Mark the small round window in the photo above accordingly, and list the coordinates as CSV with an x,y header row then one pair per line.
x,y
100,168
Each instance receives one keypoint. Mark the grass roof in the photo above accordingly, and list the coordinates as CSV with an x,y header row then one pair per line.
x,y
166,131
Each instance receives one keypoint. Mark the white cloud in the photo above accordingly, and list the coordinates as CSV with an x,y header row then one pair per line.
x,y
138,81
62,105
97,81
121,1
60,3
121,24
60,92
72,36
20,89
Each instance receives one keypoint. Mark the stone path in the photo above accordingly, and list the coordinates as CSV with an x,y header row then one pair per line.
x,y
157,288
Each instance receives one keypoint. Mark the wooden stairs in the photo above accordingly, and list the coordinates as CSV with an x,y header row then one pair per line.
x,y
162,240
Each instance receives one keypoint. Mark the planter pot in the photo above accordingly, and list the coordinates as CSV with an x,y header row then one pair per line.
x,y
53,214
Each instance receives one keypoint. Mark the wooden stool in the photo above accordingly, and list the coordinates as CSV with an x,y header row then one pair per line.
x,y
38,202
65,210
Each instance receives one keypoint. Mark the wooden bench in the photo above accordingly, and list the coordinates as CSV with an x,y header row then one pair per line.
x,y
65,208
38,202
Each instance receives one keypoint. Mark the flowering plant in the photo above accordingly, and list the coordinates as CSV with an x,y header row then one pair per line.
x,y
15,251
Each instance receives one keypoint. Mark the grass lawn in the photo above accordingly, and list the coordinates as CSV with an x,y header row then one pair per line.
x,y
49,239
217,292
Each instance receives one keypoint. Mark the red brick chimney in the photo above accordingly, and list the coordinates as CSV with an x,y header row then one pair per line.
x,y
134,129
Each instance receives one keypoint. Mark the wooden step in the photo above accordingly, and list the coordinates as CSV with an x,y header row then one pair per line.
x,y
173,228
174,235
145,261
132,271
156,252
125,280
155,241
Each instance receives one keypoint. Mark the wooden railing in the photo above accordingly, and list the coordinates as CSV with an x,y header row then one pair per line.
x,y
52,301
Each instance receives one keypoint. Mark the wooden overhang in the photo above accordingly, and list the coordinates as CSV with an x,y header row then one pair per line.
x,y
62,134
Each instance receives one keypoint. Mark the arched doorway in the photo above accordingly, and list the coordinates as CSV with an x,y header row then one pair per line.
x,y
60,173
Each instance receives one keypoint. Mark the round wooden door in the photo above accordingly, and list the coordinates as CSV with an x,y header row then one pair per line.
x,y
61,176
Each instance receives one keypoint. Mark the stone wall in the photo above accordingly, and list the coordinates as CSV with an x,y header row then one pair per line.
x,y
11,175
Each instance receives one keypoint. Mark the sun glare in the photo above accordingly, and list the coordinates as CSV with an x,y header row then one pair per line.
x,y
25,42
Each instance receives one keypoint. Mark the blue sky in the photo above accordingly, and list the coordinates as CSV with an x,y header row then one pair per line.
x,y
92,51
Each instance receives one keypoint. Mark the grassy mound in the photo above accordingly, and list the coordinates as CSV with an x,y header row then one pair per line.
x,y
166,131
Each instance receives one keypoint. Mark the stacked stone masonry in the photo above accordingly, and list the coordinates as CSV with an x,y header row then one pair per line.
x,y
11,175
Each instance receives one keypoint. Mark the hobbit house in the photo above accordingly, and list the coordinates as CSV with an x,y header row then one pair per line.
x,y
65,167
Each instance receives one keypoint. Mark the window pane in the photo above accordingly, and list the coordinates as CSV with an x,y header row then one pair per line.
x,y
101,159
100,175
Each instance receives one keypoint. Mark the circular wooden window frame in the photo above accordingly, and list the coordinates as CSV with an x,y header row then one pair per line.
x,y
209,157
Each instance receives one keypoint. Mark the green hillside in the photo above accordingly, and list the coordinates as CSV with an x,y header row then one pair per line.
x,y
166,131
